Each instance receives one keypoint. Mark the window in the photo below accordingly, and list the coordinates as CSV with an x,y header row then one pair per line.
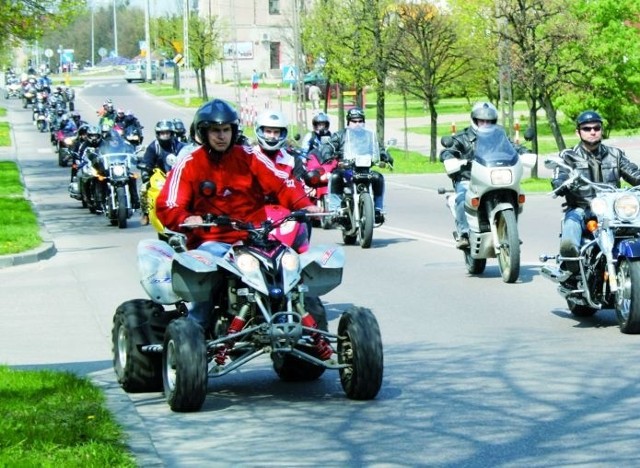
x,y
274,7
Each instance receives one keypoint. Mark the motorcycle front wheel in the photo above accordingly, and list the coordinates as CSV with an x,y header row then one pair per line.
x,y
122,210
628,296
365,223
360,346
509,253
184,365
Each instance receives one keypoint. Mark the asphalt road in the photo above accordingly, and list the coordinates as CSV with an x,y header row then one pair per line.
x,y
477,372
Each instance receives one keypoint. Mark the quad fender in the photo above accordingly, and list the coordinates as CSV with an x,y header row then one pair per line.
x,y
322,267
154,266
194,274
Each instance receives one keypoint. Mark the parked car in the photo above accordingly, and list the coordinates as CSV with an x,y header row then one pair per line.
x,y
138,72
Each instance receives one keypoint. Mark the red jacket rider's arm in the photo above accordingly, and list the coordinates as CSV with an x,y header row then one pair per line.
x,y
175,198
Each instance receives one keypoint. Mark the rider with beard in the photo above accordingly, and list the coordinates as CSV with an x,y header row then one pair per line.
x,y
161,153
598,163
223,178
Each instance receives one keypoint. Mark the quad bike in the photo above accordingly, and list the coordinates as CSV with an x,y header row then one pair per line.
x,y
265,298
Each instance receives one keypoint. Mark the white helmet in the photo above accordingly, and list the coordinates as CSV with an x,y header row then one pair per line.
x,y
272,119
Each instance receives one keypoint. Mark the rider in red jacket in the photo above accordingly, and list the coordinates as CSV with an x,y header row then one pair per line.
x,y
223,179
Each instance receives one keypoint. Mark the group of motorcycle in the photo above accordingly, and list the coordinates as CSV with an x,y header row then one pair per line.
x,y
608,273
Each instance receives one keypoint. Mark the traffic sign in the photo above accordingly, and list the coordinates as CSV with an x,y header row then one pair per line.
x,y
289,74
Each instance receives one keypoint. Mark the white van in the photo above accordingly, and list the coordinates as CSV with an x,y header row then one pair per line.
x,y
138,72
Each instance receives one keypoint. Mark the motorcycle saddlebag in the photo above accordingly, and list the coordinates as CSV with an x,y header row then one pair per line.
x,y
154,265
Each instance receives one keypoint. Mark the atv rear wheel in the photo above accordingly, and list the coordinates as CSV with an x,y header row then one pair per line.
x,y
184,365
138,323
360,346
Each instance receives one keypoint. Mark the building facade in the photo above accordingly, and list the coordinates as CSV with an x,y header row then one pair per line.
x,y
255,35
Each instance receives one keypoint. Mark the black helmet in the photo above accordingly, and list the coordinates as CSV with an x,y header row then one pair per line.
x,y
321,118
213,112
164,126
179,128
93,135
588,116
355,113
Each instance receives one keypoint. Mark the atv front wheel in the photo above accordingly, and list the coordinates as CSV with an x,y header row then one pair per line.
x,y
360,346
184,365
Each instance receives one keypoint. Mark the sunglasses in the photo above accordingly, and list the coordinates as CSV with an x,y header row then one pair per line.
x,y
597,128
357,121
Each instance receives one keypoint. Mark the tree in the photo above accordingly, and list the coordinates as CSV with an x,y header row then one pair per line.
x,y
428,55
609,81
27,20
204,48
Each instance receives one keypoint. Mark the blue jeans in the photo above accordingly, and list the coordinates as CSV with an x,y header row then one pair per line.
x,y
573,226
462,226
199,311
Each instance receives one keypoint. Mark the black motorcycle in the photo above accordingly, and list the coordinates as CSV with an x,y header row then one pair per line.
x,y
110,188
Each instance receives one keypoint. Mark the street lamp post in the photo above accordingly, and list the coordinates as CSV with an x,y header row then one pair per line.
x,y
115,30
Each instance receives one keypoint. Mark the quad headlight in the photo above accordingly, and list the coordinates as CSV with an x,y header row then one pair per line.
x,y
247,263
290,261
627,207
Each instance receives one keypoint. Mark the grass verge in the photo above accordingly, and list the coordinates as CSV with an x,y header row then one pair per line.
x,y
20,230
56,419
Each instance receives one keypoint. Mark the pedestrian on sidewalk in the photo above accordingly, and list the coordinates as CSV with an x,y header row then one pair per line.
x,y
255,81
315,93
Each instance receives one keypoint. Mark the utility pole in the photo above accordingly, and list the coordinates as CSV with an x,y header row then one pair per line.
x,y
301,110
115,30
147,41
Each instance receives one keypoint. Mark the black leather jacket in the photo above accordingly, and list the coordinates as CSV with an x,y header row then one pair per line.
x,y
463,147
607,165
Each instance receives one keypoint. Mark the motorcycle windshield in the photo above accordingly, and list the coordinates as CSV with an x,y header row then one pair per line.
x,y
116,150
493,148
361,146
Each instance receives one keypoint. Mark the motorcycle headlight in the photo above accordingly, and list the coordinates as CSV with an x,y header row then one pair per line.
x,y
69,141
290,261
501,177
626,207
247,264
599,206
363,160
118,171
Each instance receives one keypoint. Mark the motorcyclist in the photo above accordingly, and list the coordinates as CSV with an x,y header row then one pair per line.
x,y
223,178
107,112
463,147
333,148
119,118
161,153
87,151
598,163
319,135
180,130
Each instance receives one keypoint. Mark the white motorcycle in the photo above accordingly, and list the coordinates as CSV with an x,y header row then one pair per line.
x,y
493,201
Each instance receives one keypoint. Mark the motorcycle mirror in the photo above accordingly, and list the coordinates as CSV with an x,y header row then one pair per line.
x,y
446,141
529,134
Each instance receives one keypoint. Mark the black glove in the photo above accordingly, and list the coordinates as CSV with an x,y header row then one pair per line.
x,y
384,156
145,176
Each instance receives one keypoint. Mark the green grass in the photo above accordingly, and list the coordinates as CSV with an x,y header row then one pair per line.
x,y
52,419
20,230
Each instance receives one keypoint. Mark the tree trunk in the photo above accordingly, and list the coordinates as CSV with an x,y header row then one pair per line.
x,y
433,113
203,85
552,117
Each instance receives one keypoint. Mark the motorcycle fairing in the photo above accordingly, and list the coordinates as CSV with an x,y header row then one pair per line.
x,y
628,248
493,148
